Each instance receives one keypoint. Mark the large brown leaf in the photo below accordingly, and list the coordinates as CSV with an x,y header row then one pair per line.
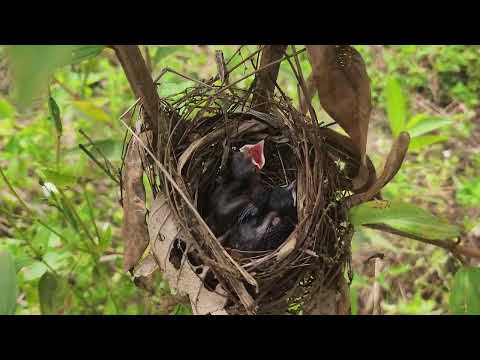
x,y
163,231
340,77
134,231
392,165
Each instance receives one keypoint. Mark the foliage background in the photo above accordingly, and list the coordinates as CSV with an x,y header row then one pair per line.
x,y
73,231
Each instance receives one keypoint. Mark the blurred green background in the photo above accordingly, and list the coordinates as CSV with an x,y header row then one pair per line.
x,y
64,235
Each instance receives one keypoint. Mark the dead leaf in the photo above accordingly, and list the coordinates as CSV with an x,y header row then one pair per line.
x,y
392,165
134,230
147,267
163,231
347,146
221,67
340,76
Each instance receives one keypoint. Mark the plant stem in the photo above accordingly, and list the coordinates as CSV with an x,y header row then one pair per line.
x,y
59,138
90,212
77,217
455,248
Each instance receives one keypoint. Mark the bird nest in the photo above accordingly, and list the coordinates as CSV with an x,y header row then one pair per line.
x,y
201,128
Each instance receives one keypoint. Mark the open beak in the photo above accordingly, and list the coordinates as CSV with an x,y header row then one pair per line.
x,y
255,152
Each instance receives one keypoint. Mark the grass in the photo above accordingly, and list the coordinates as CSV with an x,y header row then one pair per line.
x,y
72,225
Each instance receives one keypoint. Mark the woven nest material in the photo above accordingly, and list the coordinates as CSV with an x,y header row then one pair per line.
x,y
202,128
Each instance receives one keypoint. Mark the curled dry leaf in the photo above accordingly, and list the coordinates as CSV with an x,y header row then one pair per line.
x,y
134,230
340,77
346,145
221,66
163,231
147,267
392,165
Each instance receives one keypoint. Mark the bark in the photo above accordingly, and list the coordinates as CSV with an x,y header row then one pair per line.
x,y
266,78
141,82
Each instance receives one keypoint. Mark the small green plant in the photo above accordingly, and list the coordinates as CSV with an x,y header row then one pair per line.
x,y
419,126
468,192
8,284
465,292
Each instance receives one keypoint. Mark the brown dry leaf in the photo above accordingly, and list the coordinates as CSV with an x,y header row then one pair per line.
x,y
392,165
163,230
134,230
340,76
147,267
345,144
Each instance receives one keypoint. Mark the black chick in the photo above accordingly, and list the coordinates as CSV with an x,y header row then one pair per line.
x,y
265,223
241,186
248,235
259,233
283,200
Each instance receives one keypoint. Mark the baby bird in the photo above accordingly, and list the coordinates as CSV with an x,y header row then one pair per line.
x,y
267,225
241,186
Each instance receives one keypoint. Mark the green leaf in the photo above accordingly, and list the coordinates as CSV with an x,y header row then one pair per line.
x,y
110,308
111,148
415,119
91,111
59,178
396,106
34,271
55,114
420,142
51,293
22,261
8,284
164,51
468,192
32,67
426,125
403,217
57,260
181,309
6,109
354,301
69,216
83,52
465,293
106,237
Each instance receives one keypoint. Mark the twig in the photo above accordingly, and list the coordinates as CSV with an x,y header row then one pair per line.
x,y
90,212
148,58
141,82
67,89
375,256
247,276
376,287
90,155
455,248
167,69
258,70
109,166
266,78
